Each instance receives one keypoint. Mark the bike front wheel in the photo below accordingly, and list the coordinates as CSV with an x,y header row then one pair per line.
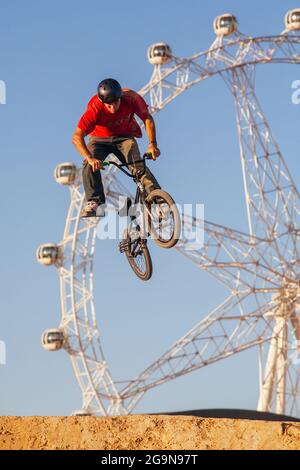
x,y
163,218
138,256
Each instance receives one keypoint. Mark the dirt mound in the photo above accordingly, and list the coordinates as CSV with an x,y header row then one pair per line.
x,y
146,432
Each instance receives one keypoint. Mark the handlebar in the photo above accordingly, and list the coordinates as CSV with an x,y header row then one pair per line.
x,y
146,156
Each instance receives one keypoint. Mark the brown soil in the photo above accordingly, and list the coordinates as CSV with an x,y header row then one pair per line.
x,y
146,432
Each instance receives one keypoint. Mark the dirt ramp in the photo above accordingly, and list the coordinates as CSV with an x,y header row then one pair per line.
x,y
146,432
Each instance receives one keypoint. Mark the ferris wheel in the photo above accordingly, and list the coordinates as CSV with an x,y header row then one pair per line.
x,y
260,267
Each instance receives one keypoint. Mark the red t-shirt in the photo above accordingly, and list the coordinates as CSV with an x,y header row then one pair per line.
x,y
98,122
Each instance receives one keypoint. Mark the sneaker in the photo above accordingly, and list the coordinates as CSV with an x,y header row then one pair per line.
x,y
151,187
91,209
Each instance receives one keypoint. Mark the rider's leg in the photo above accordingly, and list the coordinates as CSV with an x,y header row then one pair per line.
x,y
92,181
129,150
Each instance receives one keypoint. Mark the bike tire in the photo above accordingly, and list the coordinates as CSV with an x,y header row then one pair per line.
x,y
154,197
143,254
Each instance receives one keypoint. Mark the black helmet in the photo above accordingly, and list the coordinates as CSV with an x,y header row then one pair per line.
x,y
109,90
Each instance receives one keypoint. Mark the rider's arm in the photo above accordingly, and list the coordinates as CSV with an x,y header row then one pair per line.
x,y
84,127
140,108
79,142
151,134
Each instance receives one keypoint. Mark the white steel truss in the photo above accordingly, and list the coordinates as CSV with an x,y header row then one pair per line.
x,y
260,268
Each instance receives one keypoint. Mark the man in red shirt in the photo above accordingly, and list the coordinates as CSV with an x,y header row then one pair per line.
x,y
109,120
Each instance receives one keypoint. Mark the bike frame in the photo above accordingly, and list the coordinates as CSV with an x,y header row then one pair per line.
x,y
140,199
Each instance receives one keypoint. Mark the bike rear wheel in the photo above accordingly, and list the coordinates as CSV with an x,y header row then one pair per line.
x,y
164,223
138,256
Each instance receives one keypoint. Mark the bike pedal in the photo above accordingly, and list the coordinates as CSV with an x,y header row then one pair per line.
x,y
123,246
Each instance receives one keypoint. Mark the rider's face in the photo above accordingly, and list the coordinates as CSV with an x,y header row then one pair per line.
x,y
113,107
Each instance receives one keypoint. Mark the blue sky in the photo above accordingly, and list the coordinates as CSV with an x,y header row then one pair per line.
x,y
53,54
